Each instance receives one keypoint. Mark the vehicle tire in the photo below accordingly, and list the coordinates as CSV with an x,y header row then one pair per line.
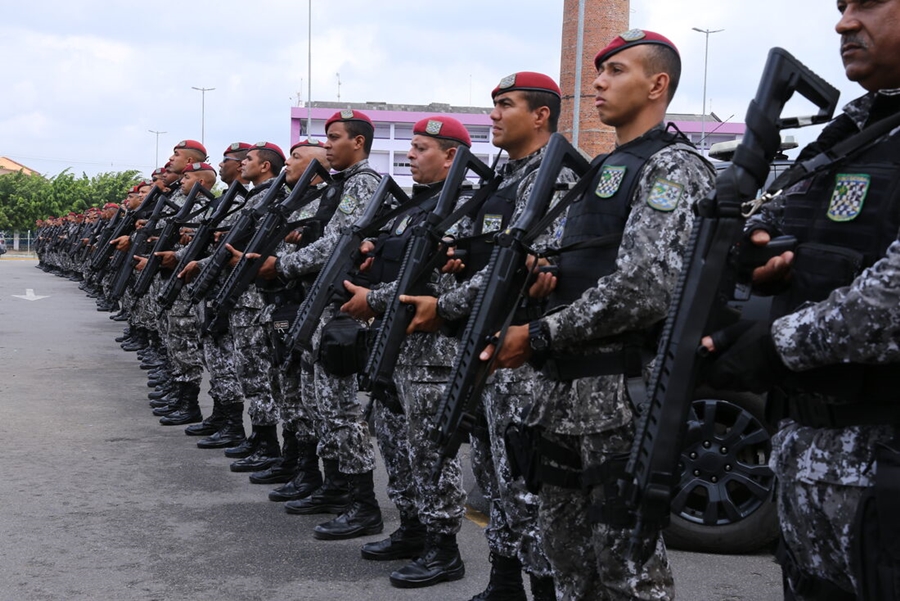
x,y
725,502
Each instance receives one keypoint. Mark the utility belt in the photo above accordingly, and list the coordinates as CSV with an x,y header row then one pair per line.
x,y
818,414
540,461
565,368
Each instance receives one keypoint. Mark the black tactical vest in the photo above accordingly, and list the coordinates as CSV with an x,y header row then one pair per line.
x,y
391,246
328,205
595,222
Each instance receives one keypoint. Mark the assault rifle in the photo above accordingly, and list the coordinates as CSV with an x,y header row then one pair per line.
x,y
504,281
126,266
203,236
169,235
237,237
271,231
424,246
104,261
707,282
329,285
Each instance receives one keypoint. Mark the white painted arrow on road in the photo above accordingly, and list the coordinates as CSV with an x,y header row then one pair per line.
x,y
29,295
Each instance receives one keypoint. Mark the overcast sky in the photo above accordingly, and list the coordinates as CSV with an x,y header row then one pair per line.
x,y
84,80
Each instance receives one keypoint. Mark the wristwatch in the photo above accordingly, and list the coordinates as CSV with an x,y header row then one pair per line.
x,y
538,342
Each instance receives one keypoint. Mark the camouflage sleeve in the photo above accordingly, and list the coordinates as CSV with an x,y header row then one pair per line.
x,y
309,259
378,298
638,292
858,323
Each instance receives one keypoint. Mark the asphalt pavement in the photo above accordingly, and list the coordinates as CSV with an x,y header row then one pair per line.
x,y
100,502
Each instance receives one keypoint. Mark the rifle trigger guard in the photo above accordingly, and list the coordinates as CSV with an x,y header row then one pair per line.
x,y
750,207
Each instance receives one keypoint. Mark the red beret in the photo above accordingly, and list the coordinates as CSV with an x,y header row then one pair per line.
x,y
236,147
268,146
135,189
197,167
191,145
110,205
527,81
348,115
307,142
632,37
159,171
445,128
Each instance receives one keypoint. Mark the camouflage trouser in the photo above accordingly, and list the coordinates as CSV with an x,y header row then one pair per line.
x,y
183,342
344,432
391,434
441,505
252,364
589,560
288,386
218,354
513,529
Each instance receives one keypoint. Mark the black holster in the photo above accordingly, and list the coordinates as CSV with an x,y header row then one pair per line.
x,y
343,347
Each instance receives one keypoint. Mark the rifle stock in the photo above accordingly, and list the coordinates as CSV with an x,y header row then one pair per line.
x,y
422,246
341,261
496,300
706,283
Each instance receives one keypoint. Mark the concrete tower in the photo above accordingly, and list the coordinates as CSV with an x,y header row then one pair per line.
x,y
601,21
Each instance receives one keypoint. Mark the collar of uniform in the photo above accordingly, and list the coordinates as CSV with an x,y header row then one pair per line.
x,y
351,170
427,188
859,109
512,166
658,127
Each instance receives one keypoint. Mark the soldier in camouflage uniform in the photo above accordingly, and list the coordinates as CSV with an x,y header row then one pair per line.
x,y
526,110
430,513
835,454
602,308
344,444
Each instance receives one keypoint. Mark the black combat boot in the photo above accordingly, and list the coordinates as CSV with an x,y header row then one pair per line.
x,y
333,496
266,455
506,581
542,588
362,518
172,404
286,468
407,541
211,424
126,333
308,477
439,563
231,433
247,446
188,408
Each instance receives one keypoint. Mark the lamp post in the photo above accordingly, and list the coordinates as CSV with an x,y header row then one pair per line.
x,y
203,92
705,32
157,143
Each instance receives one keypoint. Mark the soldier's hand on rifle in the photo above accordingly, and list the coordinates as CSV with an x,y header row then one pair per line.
x,y
218,236
187,234
140,223
777,269
452,265
236,255
190,271
139,262
357,306
514,351
267,270
426,318
544,282
121,243
294,237
168,259
366,249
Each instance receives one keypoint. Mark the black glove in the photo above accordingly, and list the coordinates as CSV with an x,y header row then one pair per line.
x,y
746,358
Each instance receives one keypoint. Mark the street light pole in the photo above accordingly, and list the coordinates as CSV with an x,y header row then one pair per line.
x,y
157,144
705,32
203,92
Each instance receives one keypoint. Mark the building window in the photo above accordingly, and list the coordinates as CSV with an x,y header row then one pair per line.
x,y
382,130
479,133
403,131
401,165
379,161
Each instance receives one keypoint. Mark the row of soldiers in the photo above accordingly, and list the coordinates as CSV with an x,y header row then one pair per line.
x,y
295,322
644,193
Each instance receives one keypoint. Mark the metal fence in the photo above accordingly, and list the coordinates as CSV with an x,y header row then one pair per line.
x,y
19,243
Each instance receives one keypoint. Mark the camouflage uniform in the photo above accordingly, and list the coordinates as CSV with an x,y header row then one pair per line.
x,y
825,472
592,416
345,435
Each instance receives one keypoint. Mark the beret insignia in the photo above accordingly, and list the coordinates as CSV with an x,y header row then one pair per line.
x,y
347,114
507,82
433,127
633,35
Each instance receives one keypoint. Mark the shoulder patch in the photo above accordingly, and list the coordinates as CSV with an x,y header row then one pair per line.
x,y
611,178
665,195
850,191
491,223
401,227
348,204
